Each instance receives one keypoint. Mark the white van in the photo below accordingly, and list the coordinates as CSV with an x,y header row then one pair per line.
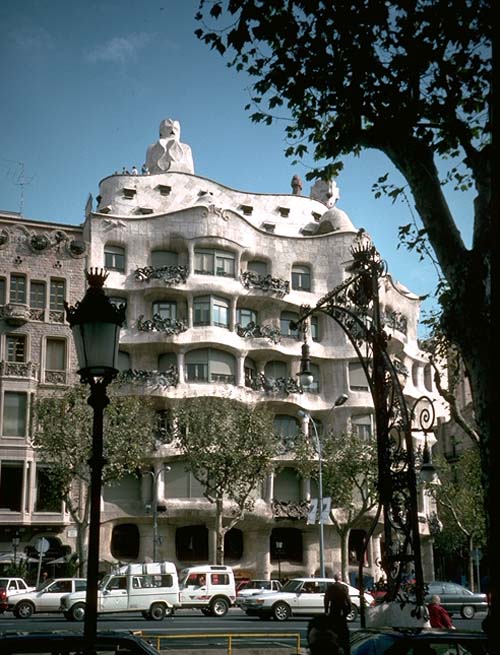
x,y
152,589
210,588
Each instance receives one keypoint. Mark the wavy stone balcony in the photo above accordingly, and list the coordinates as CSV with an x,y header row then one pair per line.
x,y
15,314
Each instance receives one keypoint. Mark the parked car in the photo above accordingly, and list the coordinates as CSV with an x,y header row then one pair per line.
x,y
299,597
254,587
411,641
12,586
457,599
71,643
46,598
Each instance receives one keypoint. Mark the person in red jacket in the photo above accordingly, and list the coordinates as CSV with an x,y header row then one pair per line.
x,y
438,616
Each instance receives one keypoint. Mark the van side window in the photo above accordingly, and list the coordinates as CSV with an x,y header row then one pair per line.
x,y
220,579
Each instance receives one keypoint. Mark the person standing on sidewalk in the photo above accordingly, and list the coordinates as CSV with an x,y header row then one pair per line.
x,y
337,607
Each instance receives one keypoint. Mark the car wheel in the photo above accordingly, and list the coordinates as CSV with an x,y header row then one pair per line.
x,y
353,614
219,607
23,610
78,611
157,612
468,612
281,611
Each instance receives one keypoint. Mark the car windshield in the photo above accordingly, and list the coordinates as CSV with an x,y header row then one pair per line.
x,y
293,586
44,585
104,581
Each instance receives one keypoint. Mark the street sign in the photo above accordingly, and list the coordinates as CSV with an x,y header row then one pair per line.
x,y
42,545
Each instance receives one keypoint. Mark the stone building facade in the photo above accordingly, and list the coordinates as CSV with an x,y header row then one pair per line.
x,y
212,279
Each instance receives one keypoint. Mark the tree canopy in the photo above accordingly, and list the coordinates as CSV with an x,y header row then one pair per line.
x,y
63,438
229,448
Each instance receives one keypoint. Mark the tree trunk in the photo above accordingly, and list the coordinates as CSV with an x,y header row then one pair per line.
x,y
344,553
219,532
470,564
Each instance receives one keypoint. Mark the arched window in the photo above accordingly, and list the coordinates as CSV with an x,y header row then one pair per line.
x,y
233,544
166,360
162,258
301,278
211,310
191,543
258,267
210,365
428,377
275,370
214,262
315,335
125,541
287,486
357,377
245,316
315,386
414,374
250,371
166,309
288,428
362,426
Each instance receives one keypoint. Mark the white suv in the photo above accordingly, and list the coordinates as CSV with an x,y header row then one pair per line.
x,y
45,599
11,586
299,597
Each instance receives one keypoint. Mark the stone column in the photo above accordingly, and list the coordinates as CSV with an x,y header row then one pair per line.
x,y
257,544
240,376
180,367
427,549
311,550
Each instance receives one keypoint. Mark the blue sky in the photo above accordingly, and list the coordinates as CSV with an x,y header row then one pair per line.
x,y
85,84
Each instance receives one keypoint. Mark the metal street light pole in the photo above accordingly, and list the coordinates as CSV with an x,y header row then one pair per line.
x,y
154,509
95,323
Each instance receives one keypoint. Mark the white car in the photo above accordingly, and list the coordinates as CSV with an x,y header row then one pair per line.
x,y
11,586
46,598
254,587
299,597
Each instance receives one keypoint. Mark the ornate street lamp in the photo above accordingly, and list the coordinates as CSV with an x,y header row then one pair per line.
x,y
354,305
95,323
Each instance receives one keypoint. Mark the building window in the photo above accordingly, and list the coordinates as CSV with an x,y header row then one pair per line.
x,y
301,278
57,294
161,258
428,377
17,289
16,348
290,544
166,309
47,497
210,365
15,407
357,377
214,262
258,267
37,295
288,428
191,543
11,486
245,316
211,310
123,361
56,356
362,426
233,544
275,370
287,485
285,328
250,371
125,541
114,258
2,291
166,360
315,328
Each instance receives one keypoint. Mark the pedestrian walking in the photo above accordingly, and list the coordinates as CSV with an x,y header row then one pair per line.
x,y
321,637
438,616
337,607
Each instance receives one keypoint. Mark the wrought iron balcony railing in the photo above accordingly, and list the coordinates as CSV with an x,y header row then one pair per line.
x,y
272,385
265,283
159,324
254,331
156,379
169,275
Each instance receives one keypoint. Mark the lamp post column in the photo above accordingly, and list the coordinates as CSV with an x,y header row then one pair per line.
x,y
98,400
